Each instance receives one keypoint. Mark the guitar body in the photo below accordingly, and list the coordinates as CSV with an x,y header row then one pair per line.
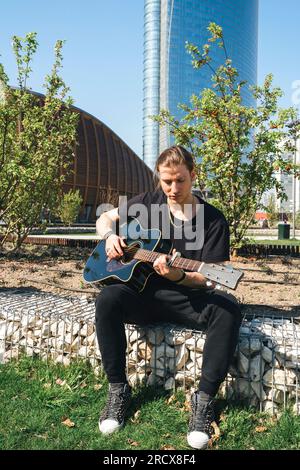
x,y
99,269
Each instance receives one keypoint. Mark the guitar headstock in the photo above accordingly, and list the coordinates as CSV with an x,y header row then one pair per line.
x,y
222,274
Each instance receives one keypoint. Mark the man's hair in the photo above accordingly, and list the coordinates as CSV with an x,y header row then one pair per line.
x,y
175,155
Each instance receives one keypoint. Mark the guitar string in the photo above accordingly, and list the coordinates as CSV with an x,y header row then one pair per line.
x,y
150,255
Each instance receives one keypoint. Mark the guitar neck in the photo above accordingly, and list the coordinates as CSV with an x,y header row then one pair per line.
x,y
224,275
182,263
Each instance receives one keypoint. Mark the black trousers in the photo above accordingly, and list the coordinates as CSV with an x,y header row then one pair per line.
x,y
215,312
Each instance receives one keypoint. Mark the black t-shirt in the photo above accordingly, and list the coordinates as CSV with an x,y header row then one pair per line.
x,y
210,240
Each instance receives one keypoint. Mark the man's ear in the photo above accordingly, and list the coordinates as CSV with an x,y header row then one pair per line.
x,y
193,175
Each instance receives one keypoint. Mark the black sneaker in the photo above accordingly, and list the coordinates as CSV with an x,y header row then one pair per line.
x,y
112,417
200,428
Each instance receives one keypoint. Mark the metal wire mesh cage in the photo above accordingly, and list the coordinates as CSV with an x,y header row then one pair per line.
x,y
265,370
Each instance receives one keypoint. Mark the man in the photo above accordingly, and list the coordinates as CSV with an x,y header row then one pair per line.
x,y
171,295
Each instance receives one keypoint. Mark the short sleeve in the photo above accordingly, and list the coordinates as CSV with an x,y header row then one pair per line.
x,y
139,199
216,248
134,208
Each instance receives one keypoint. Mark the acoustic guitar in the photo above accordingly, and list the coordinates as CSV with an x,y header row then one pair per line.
x,y
135,266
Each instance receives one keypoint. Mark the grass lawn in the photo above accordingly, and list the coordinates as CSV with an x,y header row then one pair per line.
x,y
47,406
294,242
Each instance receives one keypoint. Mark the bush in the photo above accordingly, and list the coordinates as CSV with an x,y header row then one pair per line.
x,y
69,207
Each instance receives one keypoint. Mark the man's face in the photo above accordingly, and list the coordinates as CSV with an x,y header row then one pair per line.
x,y
176,182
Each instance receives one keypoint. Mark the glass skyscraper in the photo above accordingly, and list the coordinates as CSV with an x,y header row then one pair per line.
x,y
169,78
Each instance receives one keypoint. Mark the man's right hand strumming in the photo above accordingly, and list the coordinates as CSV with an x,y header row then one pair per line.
x,y
105,226
114,245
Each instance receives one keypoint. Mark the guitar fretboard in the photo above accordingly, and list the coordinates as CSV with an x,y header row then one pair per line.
x,y
151,256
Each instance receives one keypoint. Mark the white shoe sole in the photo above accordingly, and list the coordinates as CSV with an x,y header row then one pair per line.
x,y
108,426
197,440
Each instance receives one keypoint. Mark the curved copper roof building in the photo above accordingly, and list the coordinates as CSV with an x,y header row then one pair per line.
x,y
104,167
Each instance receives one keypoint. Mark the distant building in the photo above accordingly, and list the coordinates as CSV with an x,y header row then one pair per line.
x,y
169,78
288,183
104,167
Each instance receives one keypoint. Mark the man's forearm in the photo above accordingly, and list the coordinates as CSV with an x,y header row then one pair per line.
x,y
103,225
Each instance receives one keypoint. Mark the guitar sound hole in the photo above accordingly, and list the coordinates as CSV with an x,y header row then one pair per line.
x,y
129,252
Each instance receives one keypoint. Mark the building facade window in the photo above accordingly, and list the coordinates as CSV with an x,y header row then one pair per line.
x,y
169,78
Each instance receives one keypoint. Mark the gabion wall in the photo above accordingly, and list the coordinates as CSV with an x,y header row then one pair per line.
x,y
265,369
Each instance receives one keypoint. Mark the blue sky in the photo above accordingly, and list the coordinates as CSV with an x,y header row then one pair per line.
x,y
103,54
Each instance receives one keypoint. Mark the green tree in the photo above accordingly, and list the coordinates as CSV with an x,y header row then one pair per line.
x,y
37,140
236,148
69,207
271,209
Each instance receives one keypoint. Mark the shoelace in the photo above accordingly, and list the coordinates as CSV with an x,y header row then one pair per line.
x,y
202,416
116,403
